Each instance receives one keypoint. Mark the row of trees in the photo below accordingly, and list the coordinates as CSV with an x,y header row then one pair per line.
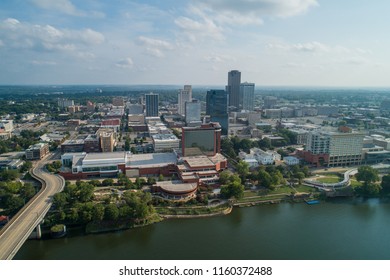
x,y
370,179
271,176
54,166
76,205
232,146
13,195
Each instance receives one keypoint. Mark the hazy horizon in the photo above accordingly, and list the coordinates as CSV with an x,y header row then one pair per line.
x,y
304,43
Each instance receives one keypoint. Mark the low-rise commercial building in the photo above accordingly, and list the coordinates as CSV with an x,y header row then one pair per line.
x,y
176,190
165,142
37,151
289,160
72,146
201,170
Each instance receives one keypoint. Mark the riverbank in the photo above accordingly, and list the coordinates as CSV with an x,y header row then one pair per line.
x,y
109,226
267,232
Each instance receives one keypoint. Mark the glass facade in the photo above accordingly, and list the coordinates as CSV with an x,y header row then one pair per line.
x,y
199,142
217,108
151,102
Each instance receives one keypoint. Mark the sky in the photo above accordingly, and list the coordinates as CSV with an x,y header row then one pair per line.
x,y
272,42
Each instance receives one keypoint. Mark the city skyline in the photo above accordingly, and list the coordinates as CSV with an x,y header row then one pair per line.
x,y
278,43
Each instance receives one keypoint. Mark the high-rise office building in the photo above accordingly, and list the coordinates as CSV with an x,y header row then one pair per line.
x,y
118,101
270,102
334,148
107,142
247,91
192,112
217,108
64,103
151,104
135,109
201,140
185,95
233,89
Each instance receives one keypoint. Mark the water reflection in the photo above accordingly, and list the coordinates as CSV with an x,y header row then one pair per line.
x,y
330,230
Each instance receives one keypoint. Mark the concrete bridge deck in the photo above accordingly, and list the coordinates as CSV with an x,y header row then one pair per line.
x,y
20,227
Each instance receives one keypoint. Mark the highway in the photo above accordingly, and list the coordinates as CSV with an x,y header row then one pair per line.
x,y
19,228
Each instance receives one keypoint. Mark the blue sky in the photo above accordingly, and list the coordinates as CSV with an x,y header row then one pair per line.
x,y
272,42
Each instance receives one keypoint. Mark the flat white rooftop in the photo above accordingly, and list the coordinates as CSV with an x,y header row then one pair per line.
x,y
151,160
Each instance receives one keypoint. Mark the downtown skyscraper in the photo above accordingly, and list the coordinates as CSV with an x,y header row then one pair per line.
x,y
185,95
233,89
247,91
151,104
217,108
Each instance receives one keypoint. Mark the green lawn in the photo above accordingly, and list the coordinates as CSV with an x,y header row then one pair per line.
x,y
355,183
329,179
278,191
302,188
262,198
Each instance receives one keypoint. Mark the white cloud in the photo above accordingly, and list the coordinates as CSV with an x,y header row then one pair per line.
x,y
125,63
250,11
281,8
66,7
356,60
155,47
63,6
211,19
196,30
310,47
218,58
22,35
1,43
43,62
316,47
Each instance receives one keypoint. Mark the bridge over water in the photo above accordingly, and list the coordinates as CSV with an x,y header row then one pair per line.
x,y
20,227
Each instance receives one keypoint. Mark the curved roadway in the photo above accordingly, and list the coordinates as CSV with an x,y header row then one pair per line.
x,y
16,232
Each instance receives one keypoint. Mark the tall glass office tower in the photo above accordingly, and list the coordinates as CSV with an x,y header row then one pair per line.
x,y
217,108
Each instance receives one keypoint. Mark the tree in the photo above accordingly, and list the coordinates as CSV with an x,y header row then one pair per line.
x,y
60,200
264,179
151,180
242,169
26,166
300,176
228,148
98,212
86,212
277,178
224,177
367,174
27,191
108,182
233,189
265,143
371,189
13,203
386,184
127,144
85,193
73,215
125,212
111,212
9,175
95,183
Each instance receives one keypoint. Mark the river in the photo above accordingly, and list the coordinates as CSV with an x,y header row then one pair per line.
x,y
343,229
